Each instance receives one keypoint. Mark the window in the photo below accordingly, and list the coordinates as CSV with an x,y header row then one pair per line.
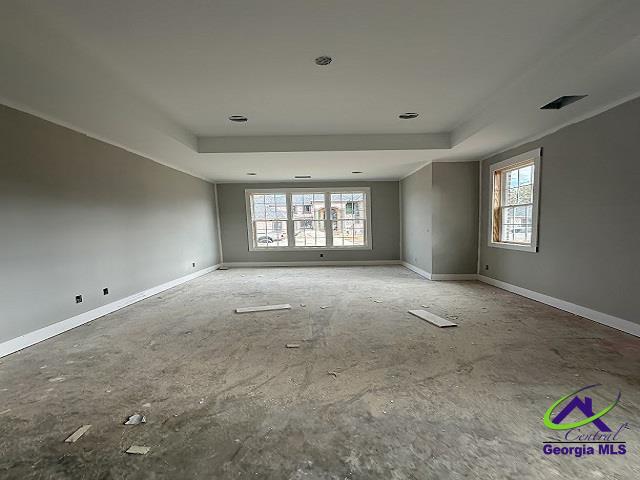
x,y
514,202
297,218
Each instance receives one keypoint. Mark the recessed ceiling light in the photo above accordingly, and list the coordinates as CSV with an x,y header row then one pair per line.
x,y
356,172
238,118
251,173
302,176
408,115
323,60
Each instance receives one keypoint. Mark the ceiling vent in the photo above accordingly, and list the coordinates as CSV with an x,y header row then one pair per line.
x,y
408,115
302,176
238,118
323,60
562,102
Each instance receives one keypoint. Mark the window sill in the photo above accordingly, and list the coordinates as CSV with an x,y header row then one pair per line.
x,y
306,249
514,246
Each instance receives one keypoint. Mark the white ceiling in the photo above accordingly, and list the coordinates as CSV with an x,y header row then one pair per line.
x,y
154,75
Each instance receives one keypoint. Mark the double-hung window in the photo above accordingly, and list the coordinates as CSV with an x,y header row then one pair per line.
x,y
306,218
514,202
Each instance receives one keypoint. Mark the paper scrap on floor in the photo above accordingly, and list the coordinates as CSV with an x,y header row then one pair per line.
x,y
138,450
264,308
434,319
75,436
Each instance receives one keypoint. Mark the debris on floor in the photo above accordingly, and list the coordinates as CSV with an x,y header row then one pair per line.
x,y
5,411
378,301
136,419
223,268
335,374
138,450
264,308
57,379
434,319
75,436
324,306
292,345
146,405
303,304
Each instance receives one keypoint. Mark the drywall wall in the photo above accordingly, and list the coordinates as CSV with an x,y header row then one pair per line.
x,y
78,215
416,204
589,225
440,218
455,217
385,225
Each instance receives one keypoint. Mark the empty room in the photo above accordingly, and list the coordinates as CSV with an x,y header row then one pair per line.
x,y
320,239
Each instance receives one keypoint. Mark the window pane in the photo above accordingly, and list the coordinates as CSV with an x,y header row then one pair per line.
x,y
348,212
525,194
515,203
269,219
358,236
525,175
308,206
511,197
507,233
520,214
270,234
269,207
529,215
309,233
507,215
520,233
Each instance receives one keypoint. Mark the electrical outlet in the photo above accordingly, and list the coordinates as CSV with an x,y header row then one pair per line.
x,y
486,267
322,255
105,291
78,298
193,264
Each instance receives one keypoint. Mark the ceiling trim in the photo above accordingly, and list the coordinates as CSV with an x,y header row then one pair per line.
x,y
324,143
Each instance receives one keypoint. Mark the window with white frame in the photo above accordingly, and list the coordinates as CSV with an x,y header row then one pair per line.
x,y
297,218
514,202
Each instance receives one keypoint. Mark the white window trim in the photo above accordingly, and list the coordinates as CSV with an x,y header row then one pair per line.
x,y
532,155
368,244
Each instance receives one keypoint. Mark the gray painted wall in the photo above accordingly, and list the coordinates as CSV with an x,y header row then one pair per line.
x,y
416,218
440,218
455,217
78,215
589,225
385,224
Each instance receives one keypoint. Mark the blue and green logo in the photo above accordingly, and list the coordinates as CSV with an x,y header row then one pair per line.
x,y
585,406
577,441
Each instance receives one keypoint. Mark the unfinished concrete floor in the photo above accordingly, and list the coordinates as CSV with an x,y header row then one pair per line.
x,y
224,398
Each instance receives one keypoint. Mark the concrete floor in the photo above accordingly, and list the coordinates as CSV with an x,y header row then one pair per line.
x,y
225,399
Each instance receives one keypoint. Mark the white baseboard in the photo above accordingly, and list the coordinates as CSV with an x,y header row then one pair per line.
x,y
49,331
440,276
419,271
327,263
454,276
603,318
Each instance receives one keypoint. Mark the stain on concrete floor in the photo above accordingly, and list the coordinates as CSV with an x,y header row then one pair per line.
x,y
225,399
